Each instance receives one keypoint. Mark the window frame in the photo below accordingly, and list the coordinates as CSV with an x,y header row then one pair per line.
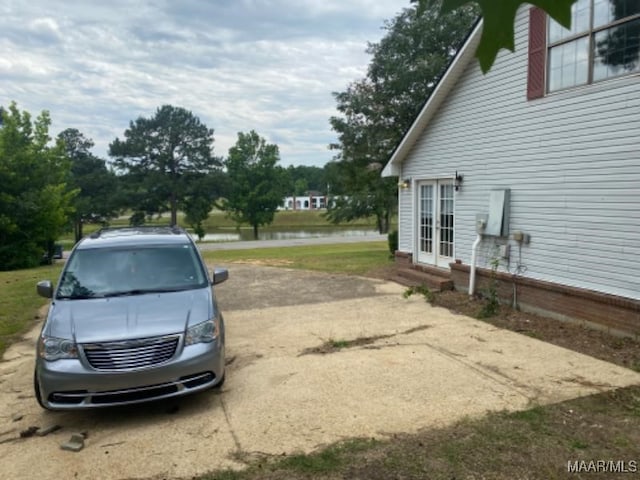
x,y
590,33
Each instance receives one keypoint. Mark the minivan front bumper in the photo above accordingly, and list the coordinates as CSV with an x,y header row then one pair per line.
x,y
71,384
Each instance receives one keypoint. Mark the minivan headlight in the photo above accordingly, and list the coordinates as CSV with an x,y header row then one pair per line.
x,y
52,348
204,332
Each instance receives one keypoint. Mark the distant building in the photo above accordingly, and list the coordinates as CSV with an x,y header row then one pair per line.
x,y
311,201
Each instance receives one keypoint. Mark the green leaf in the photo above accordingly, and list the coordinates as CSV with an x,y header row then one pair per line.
x,y
499,17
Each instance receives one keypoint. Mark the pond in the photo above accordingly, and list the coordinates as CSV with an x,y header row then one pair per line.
x,y
234,235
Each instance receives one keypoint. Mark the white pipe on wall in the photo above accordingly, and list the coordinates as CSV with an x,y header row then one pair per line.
x,y
472,273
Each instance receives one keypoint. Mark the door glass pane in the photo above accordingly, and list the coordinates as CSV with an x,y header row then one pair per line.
x,y
446,221
426,218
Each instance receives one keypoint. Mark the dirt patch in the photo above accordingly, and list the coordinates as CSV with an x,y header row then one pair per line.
x,y
251,287
621,351
419,328
262,263
332,345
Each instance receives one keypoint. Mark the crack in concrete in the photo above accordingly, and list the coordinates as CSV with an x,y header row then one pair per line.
x,y
579,380
511,385
368,343
494,369
236,440
333,346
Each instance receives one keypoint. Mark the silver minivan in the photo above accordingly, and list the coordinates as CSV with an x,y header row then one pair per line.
x,y
133,318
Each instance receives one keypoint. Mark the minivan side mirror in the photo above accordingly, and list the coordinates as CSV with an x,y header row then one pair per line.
x,y
45,289
220,275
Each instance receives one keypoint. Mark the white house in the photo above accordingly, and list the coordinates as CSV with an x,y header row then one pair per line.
x,y
546,150
311,201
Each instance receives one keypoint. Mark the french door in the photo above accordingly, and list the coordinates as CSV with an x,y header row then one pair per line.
x,y
435,222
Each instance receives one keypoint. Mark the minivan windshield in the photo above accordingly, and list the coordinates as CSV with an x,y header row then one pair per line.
x,y
108,272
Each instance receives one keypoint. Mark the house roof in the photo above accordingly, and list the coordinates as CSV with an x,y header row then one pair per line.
x,y
444,86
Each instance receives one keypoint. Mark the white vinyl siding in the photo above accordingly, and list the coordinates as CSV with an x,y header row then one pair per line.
x,y
405,220
571,160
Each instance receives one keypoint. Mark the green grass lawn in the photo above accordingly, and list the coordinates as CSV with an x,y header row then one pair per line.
x,y
349,258
19,302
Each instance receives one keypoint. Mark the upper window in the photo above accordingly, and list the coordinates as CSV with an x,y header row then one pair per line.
x,y
603,42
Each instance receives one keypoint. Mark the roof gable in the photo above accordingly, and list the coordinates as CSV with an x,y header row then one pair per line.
x,y
446,83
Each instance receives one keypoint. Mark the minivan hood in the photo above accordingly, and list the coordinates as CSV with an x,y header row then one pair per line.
x,y
127,317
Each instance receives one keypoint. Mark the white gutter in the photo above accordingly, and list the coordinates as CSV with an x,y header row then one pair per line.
x,y
472,273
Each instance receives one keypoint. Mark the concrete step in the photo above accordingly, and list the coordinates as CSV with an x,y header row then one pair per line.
x,y
411,277
437,271
402,280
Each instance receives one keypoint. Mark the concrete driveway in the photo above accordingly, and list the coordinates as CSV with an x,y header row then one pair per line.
x,y
426,368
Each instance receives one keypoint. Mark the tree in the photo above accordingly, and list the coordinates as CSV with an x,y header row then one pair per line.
x,y
201,193
377,110
300,187
34,201
499,17
257,185
97,186
160,156
304,178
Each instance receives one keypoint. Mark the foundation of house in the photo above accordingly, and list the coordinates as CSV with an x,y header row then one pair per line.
x,y
617,315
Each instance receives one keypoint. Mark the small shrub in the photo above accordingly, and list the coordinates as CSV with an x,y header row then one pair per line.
x,y
490,308
138,218
199,230
491,305
392,238
421,290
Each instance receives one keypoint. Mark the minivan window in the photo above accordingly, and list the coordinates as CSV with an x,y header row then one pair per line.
x,y
105,272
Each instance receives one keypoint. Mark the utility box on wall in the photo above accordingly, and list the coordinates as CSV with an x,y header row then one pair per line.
x,y
498,221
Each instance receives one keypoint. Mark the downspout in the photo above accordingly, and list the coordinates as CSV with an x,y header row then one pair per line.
x,y
472,273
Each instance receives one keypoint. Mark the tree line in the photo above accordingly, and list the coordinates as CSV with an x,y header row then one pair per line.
x,y
162,164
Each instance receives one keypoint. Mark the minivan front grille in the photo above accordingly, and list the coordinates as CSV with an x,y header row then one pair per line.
x,y
131,354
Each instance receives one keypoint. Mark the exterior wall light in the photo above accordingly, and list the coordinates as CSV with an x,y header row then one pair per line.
x,y
457,183
404,184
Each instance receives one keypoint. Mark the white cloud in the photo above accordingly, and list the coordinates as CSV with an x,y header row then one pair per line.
x,y
45,26
268,65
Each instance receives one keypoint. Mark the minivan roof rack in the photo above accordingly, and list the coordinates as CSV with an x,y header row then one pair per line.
x,y
175,229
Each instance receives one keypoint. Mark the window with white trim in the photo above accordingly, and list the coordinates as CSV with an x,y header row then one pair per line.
x,y
603,42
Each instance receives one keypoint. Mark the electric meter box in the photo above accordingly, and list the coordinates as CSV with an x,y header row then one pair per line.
x,y
498,220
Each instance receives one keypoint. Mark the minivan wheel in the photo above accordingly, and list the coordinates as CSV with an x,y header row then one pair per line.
x,y
36,389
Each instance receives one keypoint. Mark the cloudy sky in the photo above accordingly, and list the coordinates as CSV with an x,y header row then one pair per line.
x,y
268,65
